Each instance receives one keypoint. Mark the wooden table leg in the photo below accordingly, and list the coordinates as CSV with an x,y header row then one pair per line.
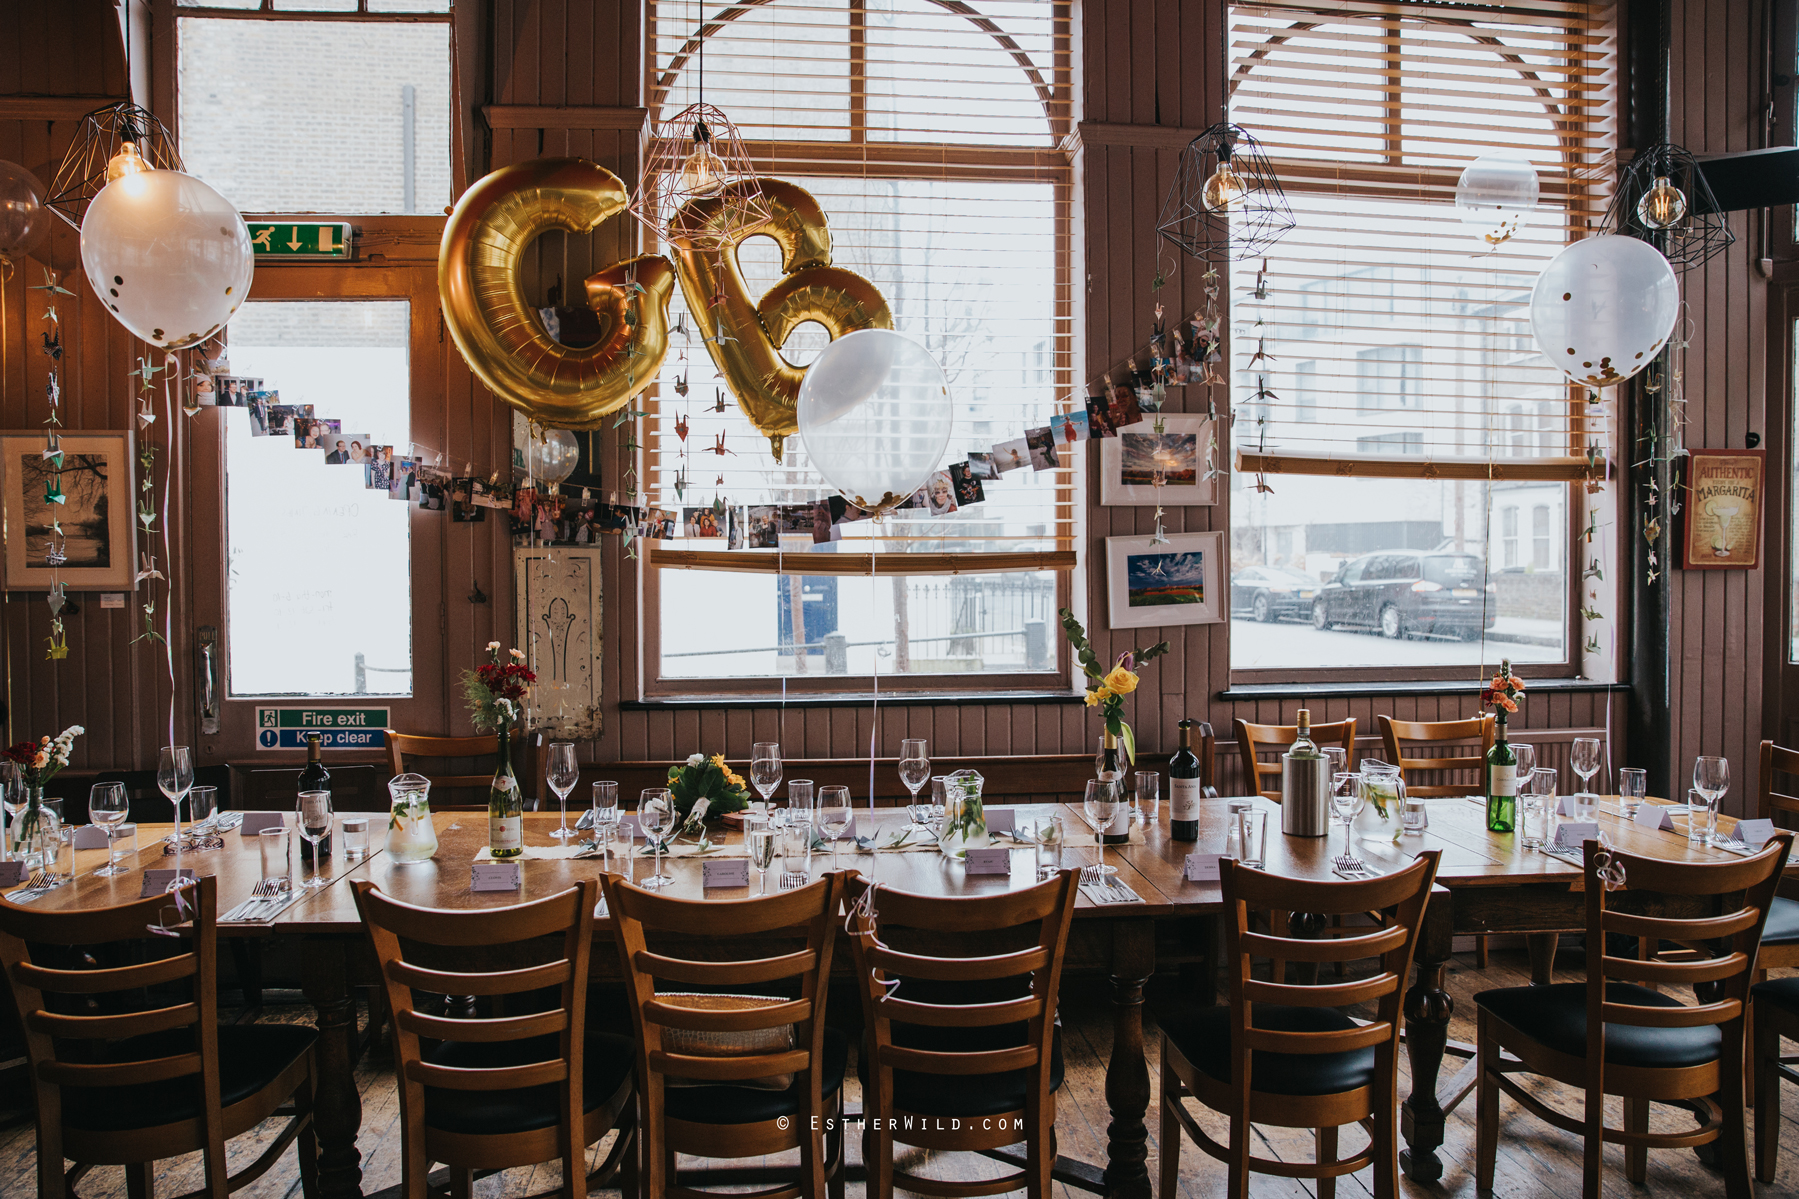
x,y
337,1108
1127,1073
1542,948
1427,1010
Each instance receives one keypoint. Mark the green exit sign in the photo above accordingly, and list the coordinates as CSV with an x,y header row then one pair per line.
x,y
300,240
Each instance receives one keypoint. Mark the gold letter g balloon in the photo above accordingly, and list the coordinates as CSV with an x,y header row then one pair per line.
x,y
500,335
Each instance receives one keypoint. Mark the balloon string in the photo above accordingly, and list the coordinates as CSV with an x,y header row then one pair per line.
x,y
171,384
6,269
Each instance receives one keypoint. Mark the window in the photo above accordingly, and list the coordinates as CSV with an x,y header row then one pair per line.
x,y
318,591
347,111
1540,537
961,222
1412,332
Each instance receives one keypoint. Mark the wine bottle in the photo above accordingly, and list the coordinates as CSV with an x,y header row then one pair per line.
x,y
1303,746
1119,831
1502,784
505,805
1184,788
316,778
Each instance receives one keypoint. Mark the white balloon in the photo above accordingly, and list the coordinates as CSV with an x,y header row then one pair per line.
x,y
1494,193
168,256
1603,308
555,457
875,415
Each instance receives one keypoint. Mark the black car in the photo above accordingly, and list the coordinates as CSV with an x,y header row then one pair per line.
x,y
1409,593
1272,592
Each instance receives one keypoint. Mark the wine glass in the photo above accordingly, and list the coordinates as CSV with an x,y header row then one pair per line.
x,y
315,825
656,816
1711,778
1337,757
1348,802
1527,759
765,768
1584,758
834,815
759,839
14,795
1101,805
914,766
107,806
175,778
564,772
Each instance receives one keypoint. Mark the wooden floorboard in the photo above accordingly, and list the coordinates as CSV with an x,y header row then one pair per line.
x,y
1535,1161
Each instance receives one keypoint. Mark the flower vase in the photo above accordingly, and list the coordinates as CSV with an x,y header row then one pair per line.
x,y
505,805
28,828
964,819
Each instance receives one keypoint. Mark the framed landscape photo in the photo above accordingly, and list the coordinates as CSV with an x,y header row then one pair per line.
x,y
1128,463
1720,522
1178,582
95,512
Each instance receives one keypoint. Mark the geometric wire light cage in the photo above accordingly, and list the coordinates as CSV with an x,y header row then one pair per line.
x,y
102,135
695,154
1663,198
1226,203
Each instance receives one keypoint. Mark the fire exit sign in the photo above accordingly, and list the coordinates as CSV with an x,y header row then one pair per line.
x,y
338,728
331,240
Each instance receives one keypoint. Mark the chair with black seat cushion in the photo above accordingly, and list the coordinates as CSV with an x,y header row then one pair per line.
x,y
506,1086
1287,1055
962,1050
1776,1008
1614,1035
1780,937
722,1073
129,1064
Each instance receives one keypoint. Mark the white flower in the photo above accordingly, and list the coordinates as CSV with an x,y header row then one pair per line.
x,y
492,645
518,655
696,759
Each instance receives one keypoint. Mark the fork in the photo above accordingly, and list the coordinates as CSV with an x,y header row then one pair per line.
x,y
34,886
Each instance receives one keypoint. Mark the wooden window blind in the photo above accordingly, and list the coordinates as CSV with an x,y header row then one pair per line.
x,y
1392,340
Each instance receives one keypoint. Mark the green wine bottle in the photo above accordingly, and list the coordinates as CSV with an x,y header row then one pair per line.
x,y
505,806
1502,783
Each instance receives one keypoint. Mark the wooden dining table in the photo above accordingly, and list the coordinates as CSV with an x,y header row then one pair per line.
x,y
1486,883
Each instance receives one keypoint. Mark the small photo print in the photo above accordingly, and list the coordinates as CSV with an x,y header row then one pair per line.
x,y
704,522
793,520
968,489
1175,455
1043,448
433,488
258,408
463,509
1158,580
1099,418
658,524
982,466
733,520
615,518
824,529
346,449
940,494
206,393
403,479
378,474
1069,428
1123,409
1011,455
763,533
281,419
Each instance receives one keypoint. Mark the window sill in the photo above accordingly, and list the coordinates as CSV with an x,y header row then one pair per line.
x,y
1349,689
850,699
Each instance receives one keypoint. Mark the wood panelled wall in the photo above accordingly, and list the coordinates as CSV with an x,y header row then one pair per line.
x,y
561,76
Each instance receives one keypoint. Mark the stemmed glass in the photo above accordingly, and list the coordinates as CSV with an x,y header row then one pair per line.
x,y
834,815
655,816
1338,759
1527,761
1348,801
315,824
605,817
107,806
1584,758
13,797
765,768
759,840
564,772
914,766
1711,778
1101,805
175,778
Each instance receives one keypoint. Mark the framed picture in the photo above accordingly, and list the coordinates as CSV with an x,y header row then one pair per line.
x,y
1721,510
1179,582
96,511
1128,463
557,622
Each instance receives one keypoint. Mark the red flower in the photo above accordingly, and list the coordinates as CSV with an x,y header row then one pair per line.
x,y
23,753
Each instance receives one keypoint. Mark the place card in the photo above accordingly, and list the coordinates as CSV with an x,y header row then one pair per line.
x,y
1201,867
156,882
992,860
1754,833
627,826
725,872
11,873
495,876
1569,837
1654,815
255,822
88,836
1002,820
1565,807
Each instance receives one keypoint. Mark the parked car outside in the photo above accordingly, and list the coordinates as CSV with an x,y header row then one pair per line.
x,y
1405,593
1272,593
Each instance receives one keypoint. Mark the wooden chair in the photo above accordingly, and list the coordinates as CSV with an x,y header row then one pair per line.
x,y
1780,937
503,1091
1776,1010
964,1054
124,1073
401,746
1285,1055
733,1075
1254,737
1396,734
1612,1036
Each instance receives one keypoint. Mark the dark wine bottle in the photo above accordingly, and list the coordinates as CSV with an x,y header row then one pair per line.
x,y
1119,831
316,778
1184,788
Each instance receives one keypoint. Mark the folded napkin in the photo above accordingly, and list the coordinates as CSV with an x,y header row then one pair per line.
x,y
262,911
1110,891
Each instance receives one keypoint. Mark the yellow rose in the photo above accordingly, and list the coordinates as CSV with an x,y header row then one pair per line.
x,y
1121,681
1098,696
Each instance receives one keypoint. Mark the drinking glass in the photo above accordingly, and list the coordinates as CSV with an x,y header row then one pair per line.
x,y
1101,805
1252,837
656,817
274,844
1584,758
1633,785
605,815
564,772
914,765
1539,807
799,801
1046,835
1702,818
796,854
834,815
315,825
1148,800
49,837
1711,778
175,778
107,806
759,839
202,805
765,768
1348,804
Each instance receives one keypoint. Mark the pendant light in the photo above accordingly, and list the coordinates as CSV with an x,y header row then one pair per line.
x,y
1662,198
1226,203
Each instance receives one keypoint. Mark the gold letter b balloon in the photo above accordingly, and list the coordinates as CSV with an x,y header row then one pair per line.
x,y
498,332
